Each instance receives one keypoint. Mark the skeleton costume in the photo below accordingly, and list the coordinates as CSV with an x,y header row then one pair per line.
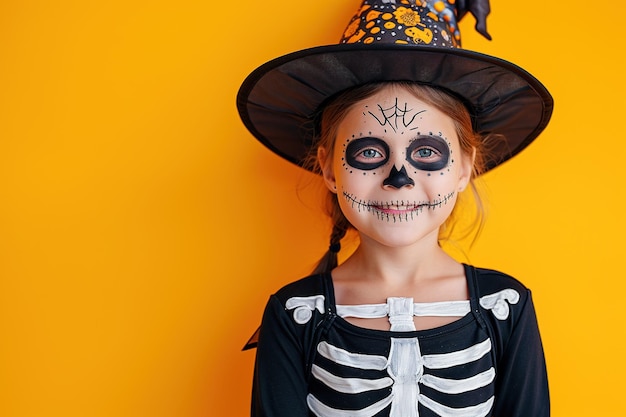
x,y
324,366
310,360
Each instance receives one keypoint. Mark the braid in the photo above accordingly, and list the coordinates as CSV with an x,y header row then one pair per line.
x,y
340,226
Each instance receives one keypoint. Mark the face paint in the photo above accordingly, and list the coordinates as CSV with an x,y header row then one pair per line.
x,y
398,179
397,211
395,116
393,169
367,153
428,153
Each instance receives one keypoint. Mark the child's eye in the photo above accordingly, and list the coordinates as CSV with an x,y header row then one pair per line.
x,y
428,153
367,153
425,153
371,153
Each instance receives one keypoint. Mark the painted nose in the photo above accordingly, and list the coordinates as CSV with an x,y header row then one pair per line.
x,y
398,179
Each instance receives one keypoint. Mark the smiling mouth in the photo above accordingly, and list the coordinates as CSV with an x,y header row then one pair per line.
x,y
396,210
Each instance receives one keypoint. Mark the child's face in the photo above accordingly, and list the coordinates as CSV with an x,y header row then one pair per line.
x,y
396,167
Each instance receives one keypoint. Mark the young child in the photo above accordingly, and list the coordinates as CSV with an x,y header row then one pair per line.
x,y
398,121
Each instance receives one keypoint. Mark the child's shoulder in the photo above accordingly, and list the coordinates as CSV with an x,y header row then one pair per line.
x,y
312,285
491,280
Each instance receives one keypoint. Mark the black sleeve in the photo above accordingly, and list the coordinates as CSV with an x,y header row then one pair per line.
x,y
279,386
522,383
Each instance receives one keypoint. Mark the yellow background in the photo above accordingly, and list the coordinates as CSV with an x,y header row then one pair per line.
x,y
142,228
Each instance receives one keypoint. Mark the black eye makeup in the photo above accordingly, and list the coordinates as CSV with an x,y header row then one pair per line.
x,y
367,153
428,153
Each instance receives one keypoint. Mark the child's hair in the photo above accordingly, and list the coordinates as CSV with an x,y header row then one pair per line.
x,y
334,112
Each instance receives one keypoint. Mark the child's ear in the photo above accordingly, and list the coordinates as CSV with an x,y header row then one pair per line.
x,y
467,166
326,165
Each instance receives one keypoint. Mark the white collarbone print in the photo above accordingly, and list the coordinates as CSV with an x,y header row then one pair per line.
x,y
406,374
499,302
303,307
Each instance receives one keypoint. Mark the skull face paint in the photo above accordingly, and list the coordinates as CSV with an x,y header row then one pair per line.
x,y
397,211
367,153
398,179
397,167
428,153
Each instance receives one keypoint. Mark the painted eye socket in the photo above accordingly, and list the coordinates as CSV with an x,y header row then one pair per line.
x,y
367,153
428,153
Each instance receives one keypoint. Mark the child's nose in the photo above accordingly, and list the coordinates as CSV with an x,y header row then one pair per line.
x,y
398,179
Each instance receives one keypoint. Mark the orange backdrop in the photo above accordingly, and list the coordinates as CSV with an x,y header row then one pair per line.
x,y
142,228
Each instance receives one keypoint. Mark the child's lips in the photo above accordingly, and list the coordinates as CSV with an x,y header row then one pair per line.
x,y
393,209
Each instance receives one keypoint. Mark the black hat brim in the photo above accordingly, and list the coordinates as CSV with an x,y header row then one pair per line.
x,y
278,101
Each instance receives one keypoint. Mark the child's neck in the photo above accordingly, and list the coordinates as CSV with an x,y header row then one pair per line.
x,y
399,265
422,272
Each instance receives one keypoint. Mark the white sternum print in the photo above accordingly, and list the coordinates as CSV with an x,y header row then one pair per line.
x,y
406,368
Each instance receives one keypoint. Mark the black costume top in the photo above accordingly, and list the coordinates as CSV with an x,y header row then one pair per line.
x,y
312,362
